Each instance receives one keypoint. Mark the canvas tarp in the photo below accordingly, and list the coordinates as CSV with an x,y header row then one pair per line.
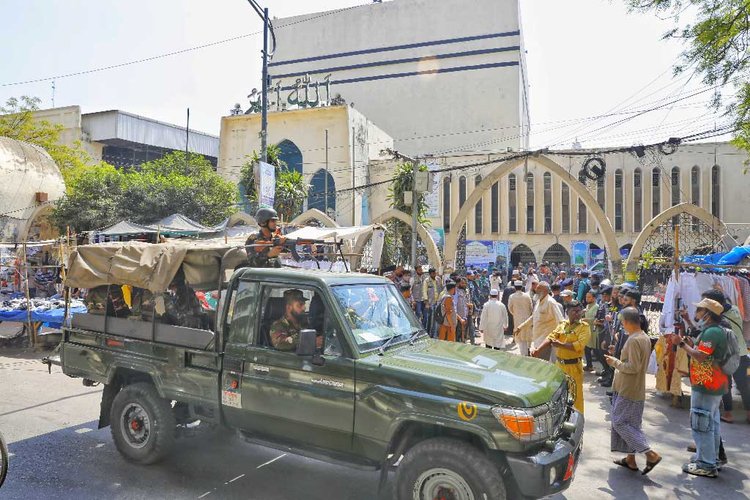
x,y
148,266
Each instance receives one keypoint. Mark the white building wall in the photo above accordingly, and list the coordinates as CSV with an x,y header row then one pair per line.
x,y
434,74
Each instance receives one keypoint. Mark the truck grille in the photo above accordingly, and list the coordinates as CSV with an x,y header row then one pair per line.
x,y
558,407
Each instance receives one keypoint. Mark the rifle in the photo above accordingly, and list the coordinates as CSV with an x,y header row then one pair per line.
x,y
292,244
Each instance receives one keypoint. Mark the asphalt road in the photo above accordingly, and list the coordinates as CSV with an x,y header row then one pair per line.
x,y
49,422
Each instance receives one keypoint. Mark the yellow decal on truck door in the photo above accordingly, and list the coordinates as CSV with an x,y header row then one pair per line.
x,y
467,411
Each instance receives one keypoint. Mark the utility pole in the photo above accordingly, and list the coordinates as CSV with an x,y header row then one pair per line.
x,y
264,90
187,141
354,163
414,213
325,181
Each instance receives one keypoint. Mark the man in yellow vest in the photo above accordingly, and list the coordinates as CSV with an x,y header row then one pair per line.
x,y
569,340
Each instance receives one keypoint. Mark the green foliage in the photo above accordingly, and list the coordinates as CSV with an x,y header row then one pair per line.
x,y
101,195
17,122
403,181
717,48
291,189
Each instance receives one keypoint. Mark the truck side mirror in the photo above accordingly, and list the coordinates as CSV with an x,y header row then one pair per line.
x,y
307,343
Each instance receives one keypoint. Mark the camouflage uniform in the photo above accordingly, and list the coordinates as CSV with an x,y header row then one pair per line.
x,y
258,257
281,330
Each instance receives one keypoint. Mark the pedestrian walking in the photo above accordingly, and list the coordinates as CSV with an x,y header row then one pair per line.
x,y
592,308
433,289
521,308
447,328
545,318
708,383
493,322
629,395
569,340
419,293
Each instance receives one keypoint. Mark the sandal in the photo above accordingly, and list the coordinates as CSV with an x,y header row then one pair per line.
x,y
623,462
650,466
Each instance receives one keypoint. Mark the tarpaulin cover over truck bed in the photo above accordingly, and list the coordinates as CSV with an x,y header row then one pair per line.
x,y
149,266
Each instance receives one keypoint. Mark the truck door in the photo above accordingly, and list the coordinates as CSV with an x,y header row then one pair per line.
x,y
286,396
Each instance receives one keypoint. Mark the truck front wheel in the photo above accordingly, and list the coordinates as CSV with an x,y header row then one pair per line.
x,y
443,468
143,424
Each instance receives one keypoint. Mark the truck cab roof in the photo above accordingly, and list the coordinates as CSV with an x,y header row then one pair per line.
x,y
317,277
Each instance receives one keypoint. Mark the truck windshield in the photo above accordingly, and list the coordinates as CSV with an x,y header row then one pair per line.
x,y
376,313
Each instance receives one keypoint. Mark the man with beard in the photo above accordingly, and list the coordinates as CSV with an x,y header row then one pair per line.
x,y
285,330
545,318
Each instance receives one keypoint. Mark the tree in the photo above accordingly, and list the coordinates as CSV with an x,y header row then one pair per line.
x,y
291,189
101,195
17,122
718,49
397,246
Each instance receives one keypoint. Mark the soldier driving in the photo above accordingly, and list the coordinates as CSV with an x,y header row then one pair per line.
x,y
265,246
285,331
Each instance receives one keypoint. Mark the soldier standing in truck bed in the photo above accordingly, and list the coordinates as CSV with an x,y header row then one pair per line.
x,y
261,251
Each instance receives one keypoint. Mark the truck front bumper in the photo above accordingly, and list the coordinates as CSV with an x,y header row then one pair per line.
x,y
551,470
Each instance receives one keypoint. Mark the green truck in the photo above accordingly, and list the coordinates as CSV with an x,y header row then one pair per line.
x,y
361,384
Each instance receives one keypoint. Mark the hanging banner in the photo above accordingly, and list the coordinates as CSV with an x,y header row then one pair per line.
x,y
596,260
438,236
266,175
377,241
432,197
580,253
502,255
480,254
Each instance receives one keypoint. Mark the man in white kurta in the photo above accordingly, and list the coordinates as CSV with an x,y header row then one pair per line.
x,y
521,306
494,321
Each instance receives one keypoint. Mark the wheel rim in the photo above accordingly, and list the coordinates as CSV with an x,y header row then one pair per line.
x,y
441,484
136,425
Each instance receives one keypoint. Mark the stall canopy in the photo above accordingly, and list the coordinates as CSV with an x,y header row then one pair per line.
x,y
178,223
125,228
330,233
150,266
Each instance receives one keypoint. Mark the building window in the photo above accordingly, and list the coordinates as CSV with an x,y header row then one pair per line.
x,y
695,192
565,208
478,209
461,191
290,154
675,186
601,192
447,204
322,194
715,191
512,200
495,216
547,202
618,201
582,222
655,192
637,200
529,203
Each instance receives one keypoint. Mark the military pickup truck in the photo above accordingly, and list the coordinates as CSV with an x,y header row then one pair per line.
x,y
361,383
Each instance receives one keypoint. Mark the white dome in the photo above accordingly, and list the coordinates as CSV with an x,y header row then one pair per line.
x,y
25,170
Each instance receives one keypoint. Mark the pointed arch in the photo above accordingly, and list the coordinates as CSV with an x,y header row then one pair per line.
x,y
432,250
314,214
322,190
522,254
290,154
557,254
687,208
505,168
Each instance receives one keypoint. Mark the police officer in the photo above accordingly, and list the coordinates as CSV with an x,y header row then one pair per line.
x,y
263,248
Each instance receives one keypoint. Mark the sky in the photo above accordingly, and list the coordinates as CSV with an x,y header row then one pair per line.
x,y
586,58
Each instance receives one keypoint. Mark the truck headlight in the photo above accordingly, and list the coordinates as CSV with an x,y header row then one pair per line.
x,y
524,424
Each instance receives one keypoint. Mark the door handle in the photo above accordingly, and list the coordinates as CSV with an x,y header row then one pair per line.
x,y
261,370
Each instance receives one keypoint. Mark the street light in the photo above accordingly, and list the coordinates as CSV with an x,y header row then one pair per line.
x,y
267,27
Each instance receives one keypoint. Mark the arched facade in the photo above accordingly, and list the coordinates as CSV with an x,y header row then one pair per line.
x,y
686,208
503,169
314,214
290,154
522,254
557,254
432,250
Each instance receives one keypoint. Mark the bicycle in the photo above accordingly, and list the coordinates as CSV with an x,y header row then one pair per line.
x,y
3,459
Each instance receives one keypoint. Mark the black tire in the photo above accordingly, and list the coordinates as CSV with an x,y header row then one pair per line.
x,y
3,460
451,456
143,424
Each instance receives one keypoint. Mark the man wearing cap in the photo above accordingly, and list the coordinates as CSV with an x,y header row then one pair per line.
x,y
521,308
566,296
496,280
708,383
545,318
569,339
285,330
493,322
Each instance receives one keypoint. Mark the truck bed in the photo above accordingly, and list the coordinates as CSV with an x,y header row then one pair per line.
x,y
145,330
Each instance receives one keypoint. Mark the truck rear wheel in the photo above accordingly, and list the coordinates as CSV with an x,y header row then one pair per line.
x,y
143,424
443,468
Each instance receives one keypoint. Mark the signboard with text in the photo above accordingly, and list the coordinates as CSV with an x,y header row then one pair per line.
x,y
267,184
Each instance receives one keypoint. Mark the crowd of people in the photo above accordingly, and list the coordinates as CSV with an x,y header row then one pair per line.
x,y
577,320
